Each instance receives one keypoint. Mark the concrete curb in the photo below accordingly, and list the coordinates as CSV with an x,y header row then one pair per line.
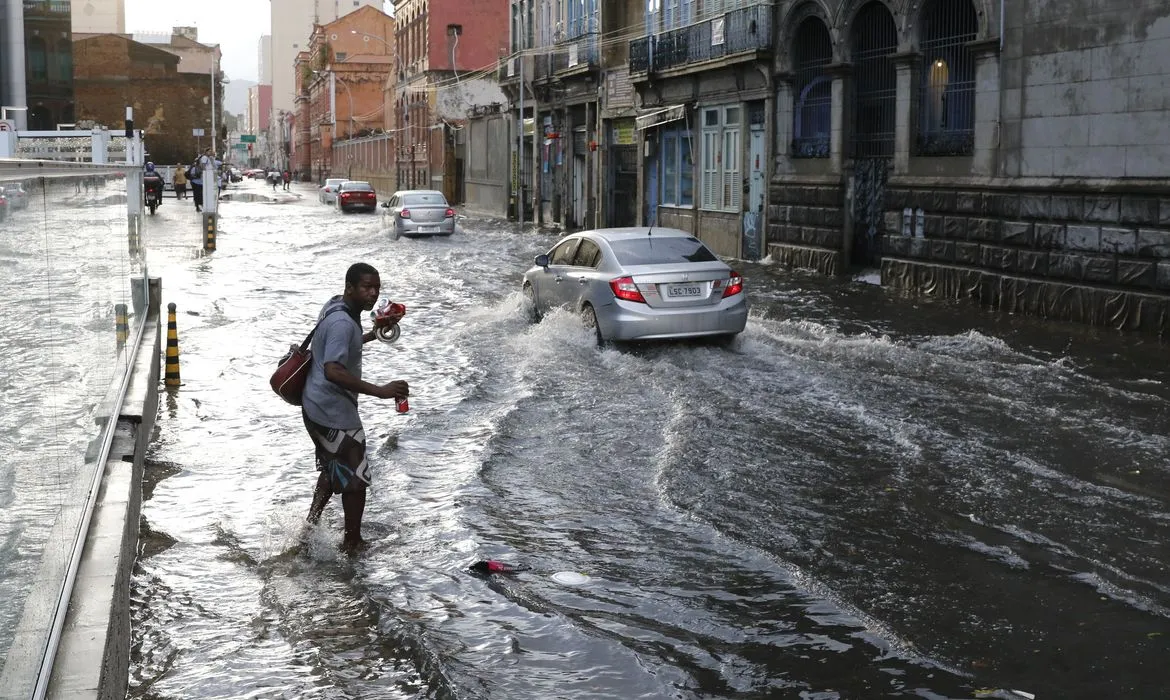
x,y
93,658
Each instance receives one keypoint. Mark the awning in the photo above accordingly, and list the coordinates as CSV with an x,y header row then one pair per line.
x,y
662,116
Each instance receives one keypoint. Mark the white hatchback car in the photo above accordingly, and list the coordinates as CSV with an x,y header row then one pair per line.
x,y
328,191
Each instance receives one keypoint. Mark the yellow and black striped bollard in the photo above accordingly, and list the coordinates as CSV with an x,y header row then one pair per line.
x,y
172,367
121,328
209,232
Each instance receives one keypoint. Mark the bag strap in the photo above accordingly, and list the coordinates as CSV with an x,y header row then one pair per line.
x,y
309,337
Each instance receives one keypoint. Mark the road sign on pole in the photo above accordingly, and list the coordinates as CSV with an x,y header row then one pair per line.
x,y
247,138
197,132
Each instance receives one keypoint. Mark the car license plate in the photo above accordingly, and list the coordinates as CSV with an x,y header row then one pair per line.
x,y
684,290
428,229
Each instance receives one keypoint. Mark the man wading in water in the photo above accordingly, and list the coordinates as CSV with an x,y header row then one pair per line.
x,y
329,407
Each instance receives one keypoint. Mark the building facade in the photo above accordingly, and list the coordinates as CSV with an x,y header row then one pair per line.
x,y
292,23
449,50
264,60
48,45
1014,159
114,71
98,16
343,77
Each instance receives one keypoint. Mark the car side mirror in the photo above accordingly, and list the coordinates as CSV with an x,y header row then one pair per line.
x,y
386,204
541,261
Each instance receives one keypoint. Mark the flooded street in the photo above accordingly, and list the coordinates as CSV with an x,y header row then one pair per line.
x,y
867,496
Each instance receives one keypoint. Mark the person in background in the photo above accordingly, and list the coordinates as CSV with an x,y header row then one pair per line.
x,y
329,408
180,183
286,176
195,177
152,182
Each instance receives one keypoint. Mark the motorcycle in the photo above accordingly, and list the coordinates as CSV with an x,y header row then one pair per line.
x,y
152,200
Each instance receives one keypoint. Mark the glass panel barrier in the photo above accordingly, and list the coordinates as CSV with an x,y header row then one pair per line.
x,y
74,302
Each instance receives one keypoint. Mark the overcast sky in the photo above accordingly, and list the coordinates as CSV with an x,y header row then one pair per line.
x,y
236,25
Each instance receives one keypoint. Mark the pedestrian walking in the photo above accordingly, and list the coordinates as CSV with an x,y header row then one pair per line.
x,y
329,407
180,183
286,176
195,177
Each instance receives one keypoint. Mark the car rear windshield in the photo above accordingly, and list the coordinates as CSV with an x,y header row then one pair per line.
x,y
363,186
660,251
424,200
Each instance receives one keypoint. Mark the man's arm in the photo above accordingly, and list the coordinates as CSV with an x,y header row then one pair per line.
x,y
339,375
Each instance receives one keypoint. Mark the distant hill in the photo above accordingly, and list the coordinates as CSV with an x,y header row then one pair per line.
x,y
235,95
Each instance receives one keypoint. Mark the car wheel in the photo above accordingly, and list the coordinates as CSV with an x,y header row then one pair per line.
x,y
530,310
589,318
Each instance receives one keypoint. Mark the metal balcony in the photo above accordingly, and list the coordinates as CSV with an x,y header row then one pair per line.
x,y
747,30
47,7
578,53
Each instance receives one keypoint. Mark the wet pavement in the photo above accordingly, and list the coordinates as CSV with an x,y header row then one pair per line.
x,y
868,495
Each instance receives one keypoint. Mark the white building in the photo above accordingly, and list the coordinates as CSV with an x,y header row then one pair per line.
x,y
98,16
265,64
292,24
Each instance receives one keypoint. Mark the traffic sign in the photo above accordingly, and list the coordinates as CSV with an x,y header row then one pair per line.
x,y
248,138
197,132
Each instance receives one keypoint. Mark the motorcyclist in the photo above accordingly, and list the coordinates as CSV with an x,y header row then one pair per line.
x,y
152,181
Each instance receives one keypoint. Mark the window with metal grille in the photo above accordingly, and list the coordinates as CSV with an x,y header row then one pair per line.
x,y
946,80
812,109
875,38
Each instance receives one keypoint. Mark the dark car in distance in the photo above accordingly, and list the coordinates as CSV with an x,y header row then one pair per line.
x,y
355,195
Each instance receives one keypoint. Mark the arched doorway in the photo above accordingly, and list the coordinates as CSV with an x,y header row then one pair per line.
x,y
812,109
873,41
946,81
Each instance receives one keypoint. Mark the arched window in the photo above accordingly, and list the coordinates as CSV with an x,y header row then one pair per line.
x,y
36,56
874,40
812,109
946,81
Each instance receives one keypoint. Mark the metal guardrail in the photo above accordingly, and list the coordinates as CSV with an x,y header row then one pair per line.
x,y
747,29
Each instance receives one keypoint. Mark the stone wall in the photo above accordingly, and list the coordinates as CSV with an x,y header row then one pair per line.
x,y
1084,89
1113,242
806,225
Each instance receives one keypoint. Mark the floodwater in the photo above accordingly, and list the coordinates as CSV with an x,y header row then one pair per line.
x,y
867,496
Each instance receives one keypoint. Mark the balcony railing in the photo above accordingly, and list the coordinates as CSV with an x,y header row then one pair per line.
x,y
54,7
747,29
575,53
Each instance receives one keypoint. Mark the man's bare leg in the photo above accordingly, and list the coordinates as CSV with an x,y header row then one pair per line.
x,y
355,506
320,497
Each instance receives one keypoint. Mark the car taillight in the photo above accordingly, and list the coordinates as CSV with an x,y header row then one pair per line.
x,y
450,213
734,285
624,288
405,213
345,194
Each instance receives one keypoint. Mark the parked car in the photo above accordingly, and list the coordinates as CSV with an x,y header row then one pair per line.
x,y
16,195
639,284
419,213
328,191
355,195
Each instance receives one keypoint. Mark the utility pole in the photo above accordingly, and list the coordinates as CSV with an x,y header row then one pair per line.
x,y
520,127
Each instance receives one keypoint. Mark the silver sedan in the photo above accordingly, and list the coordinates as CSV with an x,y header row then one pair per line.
x,y
639,284
418,213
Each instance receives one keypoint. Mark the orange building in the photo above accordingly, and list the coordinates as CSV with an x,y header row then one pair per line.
x,y
340,82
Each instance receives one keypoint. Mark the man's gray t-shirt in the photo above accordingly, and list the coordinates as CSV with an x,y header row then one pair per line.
x,y
338,339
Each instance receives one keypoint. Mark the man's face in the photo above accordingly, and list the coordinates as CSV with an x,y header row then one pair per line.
x,y
366,291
